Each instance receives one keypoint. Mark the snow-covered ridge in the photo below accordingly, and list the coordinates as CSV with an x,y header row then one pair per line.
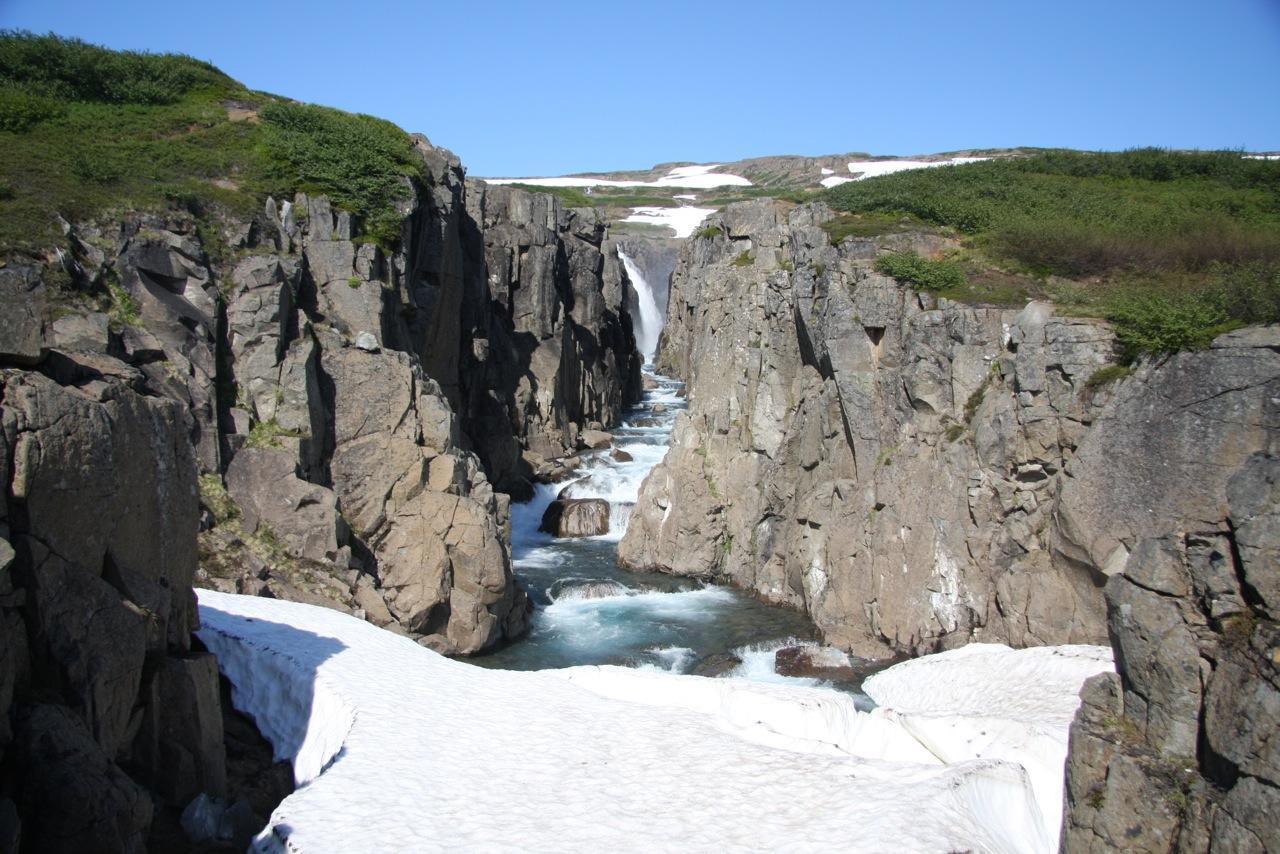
x,y
693,177
402,749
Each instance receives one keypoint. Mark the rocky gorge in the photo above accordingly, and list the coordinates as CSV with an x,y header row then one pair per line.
x,y
432,419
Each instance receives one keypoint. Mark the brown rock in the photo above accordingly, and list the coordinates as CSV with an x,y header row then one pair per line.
x,y
576,517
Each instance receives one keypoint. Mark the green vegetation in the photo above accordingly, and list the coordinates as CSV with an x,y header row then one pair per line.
x,y
214,496
921,273
85,131
1107,375
124,310
871,224
266,434
744,259
570,197
1172,247
708,232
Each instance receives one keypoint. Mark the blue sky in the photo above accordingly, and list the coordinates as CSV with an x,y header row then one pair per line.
x,y
543,88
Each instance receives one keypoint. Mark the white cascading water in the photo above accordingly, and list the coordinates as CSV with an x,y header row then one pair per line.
x,y
650,317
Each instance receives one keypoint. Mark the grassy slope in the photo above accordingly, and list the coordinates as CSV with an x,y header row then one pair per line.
x,y
85,131
1171,246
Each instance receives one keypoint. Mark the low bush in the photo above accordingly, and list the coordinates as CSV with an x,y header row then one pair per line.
x,y
922,273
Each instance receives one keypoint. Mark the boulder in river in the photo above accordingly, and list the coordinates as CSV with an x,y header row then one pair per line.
x,y
658,408
820,662
716,664
622,456
596,439
576,517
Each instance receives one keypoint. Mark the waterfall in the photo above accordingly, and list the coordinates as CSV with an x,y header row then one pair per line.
x,y
650,318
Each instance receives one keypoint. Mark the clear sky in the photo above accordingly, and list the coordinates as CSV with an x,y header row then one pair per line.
x,y
544,88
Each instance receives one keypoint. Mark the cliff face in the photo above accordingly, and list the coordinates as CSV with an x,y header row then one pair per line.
x,y
1177,751
913,473
97,554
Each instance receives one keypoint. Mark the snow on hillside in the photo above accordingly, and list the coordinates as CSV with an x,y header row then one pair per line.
x,y
692,177
396,748
860,169
682,220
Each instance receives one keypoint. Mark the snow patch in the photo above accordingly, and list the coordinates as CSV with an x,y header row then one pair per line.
x,y
987,701
874,168
682,220
615,758
693,177
835,181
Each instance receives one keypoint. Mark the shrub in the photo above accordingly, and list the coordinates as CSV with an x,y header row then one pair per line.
x,y
73,70
20,109
920,272
1107,375
358,161
744,259
708,232
1147,322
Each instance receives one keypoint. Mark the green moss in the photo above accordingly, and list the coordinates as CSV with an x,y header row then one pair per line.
x,y
353,282
744,259
124,309
214,496
708,232
267,434
954,432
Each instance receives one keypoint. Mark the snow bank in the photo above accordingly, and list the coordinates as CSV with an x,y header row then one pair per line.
x,y
401,749
987,701
692,177
682,220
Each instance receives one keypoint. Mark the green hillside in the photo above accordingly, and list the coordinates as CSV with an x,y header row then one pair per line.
x,y
85,130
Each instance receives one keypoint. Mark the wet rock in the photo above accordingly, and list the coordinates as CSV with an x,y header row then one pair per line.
x,y
814,662
576,517
621,456
717,664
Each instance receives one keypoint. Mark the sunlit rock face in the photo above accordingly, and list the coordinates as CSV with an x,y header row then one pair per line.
x,y
912,471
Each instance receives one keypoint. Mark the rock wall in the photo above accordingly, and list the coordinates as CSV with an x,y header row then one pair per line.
x,y
913,473
107,712
1176,752
359,417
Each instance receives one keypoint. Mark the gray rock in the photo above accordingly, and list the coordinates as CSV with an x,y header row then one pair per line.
x,y
23,322
367,342
82,332
179,748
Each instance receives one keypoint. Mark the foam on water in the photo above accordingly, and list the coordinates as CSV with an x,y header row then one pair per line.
x,y
650,325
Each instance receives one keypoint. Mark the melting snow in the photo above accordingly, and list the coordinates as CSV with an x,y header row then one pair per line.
x,y
397,748
682,220
873,168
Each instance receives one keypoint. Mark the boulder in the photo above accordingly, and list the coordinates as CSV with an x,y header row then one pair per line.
x,y
179,748
576,517
595,439
621,456
717,664
817,662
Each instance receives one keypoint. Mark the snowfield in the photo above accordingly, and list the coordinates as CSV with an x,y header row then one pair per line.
x,y
692,177
682,220
396,748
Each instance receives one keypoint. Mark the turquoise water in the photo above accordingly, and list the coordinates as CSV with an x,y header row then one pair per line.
x,y
589,611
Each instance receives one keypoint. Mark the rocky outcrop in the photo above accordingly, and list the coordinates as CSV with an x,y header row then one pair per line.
x,y
1176,752
556,284
359,412
913,472
97,556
